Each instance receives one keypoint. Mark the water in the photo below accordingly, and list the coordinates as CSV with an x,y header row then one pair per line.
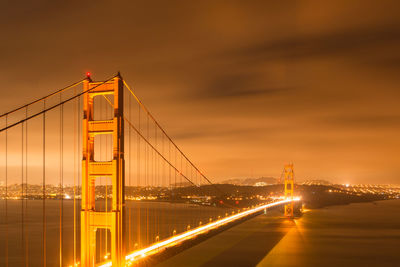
x,y
365,234
145,221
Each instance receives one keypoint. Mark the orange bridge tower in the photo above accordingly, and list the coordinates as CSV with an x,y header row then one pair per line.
x,y
289,187
109,220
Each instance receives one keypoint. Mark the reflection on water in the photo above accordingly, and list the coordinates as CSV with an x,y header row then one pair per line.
x,y
365,234
146,222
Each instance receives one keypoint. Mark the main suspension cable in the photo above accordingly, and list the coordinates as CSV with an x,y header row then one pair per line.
x,y
170,139
158,153
43,98
56,105
164,132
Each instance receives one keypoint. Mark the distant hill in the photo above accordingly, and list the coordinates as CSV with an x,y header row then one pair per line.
x,y
261,181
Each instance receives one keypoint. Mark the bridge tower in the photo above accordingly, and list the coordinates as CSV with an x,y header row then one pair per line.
x,y
92,219
289,187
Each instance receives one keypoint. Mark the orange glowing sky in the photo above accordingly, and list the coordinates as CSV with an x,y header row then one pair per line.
x,y
241,86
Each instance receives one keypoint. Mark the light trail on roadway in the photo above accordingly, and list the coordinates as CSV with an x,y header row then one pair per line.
x,y
160,246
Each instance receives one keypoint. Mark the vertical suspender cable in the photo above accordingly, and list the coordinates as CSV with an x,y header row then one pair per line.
x,y
44,185
130,178
147,182
26,191
6,201
139,241
194,188
163,177
163,169
75,163
106,203
22,194
158,184
79,185
169,180
175,188
156,217
100,157
61,180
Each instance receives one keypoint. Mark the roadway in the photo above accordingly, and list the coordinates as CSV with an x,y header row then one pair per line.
x,y
245,244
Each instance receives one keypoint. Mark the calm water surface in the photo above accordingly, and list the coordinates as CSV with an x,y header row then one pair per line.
x,y
365,234
147,220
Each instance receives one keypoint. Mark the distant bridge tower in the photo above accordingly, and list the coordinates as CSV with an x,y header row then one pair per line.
x,y
91,219
289,187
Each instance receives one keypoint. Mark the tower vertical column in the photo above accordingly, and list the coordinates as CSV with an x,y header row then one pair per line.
x,y
289,187
91,219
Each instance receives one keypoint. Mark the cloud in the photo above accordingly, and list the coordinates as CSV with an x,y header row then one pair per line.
x,y
238,85
349,42
218,132
277,80
374,121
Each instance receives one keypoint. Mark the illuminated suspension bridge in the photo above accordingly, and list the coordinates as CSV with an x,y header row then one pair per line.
x,y
90,178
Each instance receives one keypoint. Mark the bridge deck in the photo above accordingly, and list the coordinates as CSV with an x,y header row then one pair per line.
x,y
245,244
